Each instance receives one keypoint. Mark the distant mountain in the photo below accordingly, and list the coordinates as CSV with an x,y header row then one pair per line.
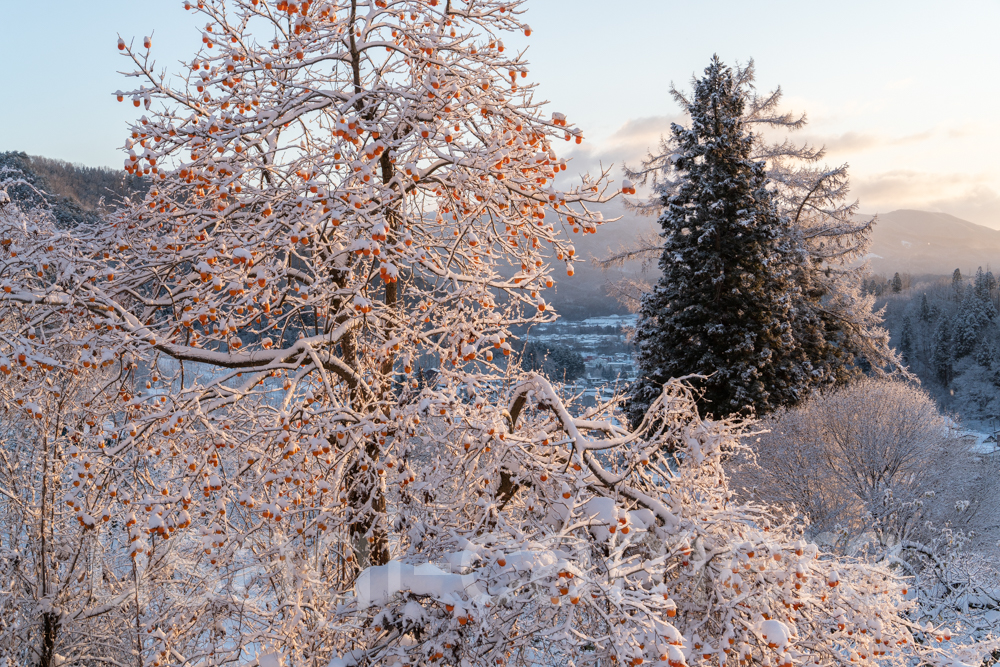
x,y
75,193
921,242
908,241
585,294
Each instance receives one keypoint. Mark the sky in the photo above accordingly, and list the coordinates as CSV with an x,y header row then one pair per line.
x,y
907,93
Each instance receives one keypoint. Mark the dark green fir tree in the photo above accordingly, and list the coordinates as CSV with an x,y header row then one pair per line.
x,y
897,283
976,312
906,341
942,354
723,306
983,286
925,309
957,285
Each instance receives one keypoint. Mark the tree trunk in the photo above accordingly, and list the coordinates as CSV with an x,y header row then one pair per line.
x,y
366,498
50,630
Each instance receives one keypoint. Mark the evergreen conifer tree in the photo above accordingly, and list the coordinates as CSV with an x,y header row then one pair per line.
x,y
967,325
835,322
722,308
925,309
941,357
982,288
897,283
956,284
985,356
906,340
976,312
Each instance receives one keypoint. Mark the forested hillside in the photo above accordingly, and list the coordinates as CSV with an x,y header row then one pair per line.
x,y
947,332
75,192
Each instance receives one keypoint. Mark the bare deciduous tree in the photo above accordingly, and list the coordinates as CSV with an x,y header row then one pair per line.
x,y
875,455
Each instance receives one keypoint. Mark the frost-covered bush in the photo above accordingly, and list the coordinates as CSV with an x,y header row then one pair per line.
x,y
878,474
613,552
875,456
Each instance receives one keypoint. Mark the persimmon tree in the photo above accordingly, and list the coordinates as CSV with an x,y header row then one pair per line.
x,y
338,191
615,552
67,579
334,203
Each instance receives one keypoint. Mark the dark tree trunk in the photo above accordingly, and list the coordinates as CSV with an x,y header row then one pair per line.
x,y
50,630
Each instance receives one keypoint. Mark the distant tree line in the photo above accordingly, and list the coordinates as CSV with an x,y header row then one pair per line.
x,y
558,362
878,285
947,333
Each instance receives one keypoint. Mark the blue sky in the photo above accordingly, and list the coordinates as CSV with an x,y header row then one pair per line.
x,y
907,92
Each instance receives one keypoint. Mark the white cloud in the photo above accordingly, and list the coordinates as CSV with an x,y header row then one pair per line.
x,y
629,144
972,196
851,143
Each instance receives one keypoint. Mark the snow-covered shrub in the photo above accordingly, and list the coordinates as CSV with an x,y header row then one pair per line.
x,y
872,456
878,473
609,551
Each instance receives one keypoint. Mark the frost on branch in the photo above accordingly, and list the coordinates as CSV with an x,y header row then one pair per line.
x,y
340,193
62,576
368,194
611,551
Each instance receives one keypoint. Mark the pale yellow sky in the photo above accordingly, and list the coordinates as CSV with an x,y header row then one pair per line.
x,y
906,92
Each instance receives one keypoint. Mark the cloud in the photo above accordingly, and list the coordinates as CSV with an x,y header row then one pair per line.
x,y
965,130
849,142
971,196
912,138
900,84
629,144
856,142
642,129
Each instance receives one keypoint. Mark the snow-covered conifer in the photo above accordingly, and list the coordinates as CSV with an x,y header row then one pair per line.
x,y
943,352
723,306
984,284
906,340
925,309
977,310
835,323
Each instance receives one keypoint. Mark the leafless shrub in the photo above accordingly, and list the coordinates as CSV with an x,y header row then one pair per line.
x,y
875,458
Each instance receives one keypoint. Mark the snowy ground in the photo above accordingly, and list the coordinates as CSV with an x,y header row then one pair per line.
x,y
984,443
